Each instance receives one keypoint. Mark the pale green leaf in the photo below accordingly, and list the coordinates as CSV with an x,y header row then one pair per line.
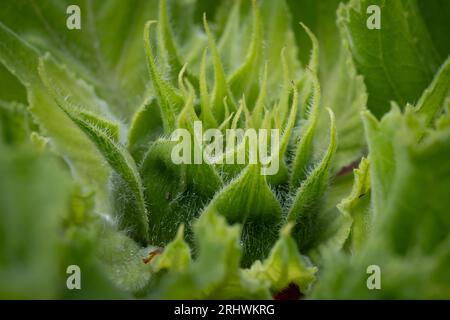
x,y
305,209
99,132
284,265
22,60
432,99
304,150
356,206
169,99
145,127
30,184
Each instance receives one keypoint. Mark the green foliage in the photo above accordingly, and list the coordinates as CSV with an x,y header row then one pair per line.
x,y
400,221
398,60
87,175
28,257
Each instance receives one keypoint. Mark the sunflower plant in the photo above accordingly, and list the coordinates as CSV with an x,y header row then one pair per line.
x,y
87,122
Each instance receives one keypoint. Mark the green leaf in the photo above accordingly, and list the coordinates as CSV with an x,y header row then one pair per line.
x,y
444,121
19,57
81,234
229,23
164,182
409,237
107,51
176,256
287,132
221,89
434,14
16,91
305,209
342,89
283,103
258,110
168,46
127,186
40,142
398,60
169,99
278,35
306,84
210,221
218,245
122,260
22,60
255,206
381,155
166,42
15,123
34,191
174,193
419,167
206,111
345,92
242,81
145,127
304,151
356,206
320,17
202,6
284,265
432,99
